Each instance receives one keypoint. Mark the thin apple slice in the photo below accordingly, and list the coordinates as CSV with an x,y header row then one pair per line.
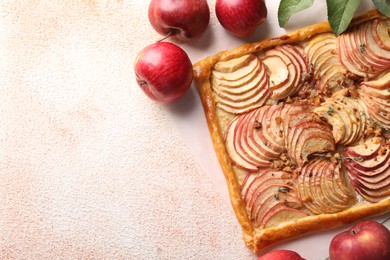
x,y
304,191
324,174
288,204
232,83
345,59
364,54
373,44
246,182
281,214
318,41
377,181
375,195
371,164
294,124
292,59
277,70
284,90
333,79
253,136
326,111
331,181
357,121
377,101
235,157
381,83
300,130
262,191
305,134
361,52
314,142
321,50
369,53
268,189
246,143
242,93
241,142
297,56
353,121
356,52
317,178
318,195
290,110
241,103
235,64
267,181
366,149
381,33
380,93
271,127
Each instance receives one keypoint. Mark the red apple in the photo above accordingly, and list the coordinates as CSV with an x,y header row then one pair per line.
x,y
241,17
163,70
182,19
365,240
281,255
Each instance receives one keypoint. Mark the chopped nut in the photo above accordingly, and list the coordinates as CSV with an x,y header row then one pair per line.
x,y
257,124
382,151
376,140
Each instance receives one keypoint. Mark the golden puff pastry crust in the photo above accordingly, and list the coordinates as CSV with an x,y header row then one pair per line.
x,y
259,236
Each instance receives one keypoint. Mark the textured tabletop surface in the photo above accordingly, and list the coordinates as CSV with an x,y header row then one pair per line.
x,y
90,168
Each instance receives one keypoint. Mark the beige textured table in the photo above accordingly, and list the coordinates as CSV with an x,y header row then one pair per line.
x,y
89,167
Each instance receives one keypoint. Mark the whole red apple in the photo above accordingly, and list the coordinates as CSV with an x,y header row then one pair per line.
x,y
368,240
240,17
281,255
182,19
163,70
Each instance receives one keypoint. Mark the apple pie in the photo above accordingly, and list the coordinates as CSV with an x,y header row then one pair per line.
x,y
300,124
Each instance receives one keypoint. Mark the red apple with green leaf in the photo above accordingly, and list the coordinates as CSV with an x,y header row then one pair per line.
x,y
163,70
241,17
365,240
183,20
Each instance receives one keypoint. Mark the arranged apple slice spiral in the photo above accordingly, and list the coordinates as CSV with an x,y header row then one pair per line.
x,y
269,197
324,188
301,127
305,133
328,74
368,165
346,116
250,142
364,49
287,70
376,97
240,84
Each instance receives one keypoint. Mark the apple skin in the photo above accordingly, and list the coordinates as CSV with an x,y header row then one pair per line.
x,y
281,255
365,240
163,71
241,17
184,20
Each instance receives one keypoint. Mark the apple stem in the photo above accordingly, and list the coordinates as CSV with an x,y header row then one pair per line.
x,y
142,83
165,37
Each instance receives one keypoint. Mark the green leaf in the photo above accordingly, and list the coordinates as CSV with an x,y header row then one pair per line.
x,y
340,13
383,6
290,7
